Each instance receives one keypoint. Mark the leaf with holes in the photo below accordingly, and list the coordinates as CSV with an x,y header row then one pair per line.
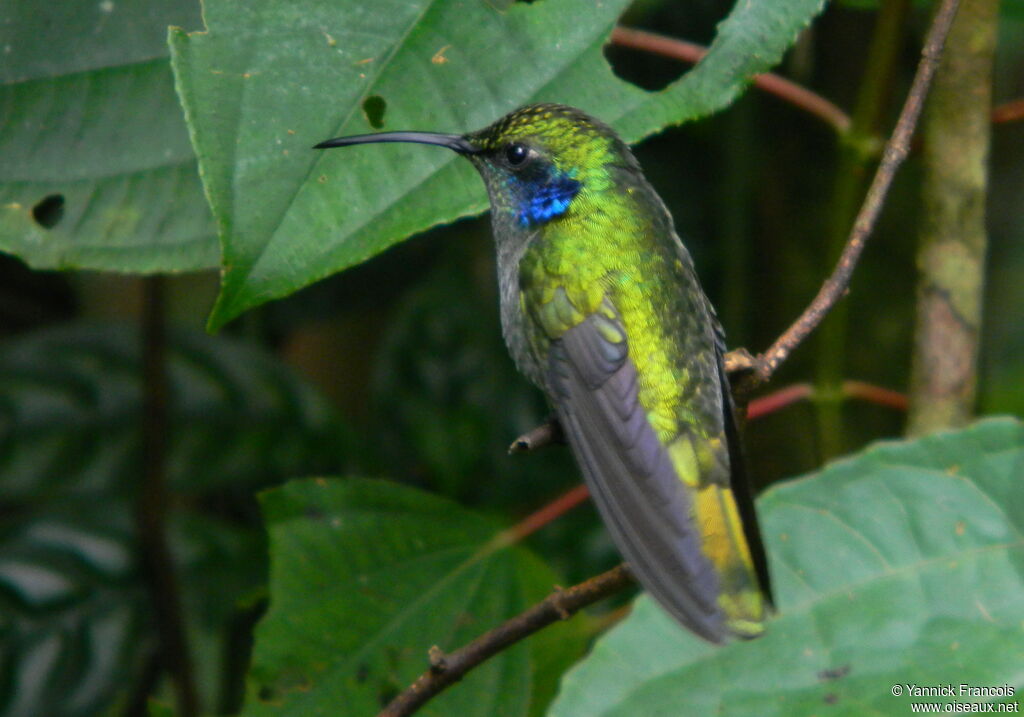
x,y
267,80
70,403
97,170
366,576
901,565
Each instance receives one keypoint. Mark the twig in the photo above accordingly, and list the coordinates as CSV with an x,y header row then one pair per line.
x,y
447,669
543,435
860,390
895,152
548,513
151,506
1008,111
778,400
774,84
858,154
875,394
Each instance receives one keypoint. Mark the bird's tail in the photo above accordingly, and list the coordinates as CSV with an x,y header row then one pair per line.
x,y
725,545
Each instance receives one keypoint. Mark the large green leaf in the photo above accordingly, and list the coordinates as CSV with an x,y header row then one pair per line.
x,y
266,80
70,402
97,170
903,565
365,577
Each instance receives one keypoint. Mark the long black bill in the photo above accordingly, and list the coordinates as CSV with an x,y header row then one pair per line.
x,y
452,141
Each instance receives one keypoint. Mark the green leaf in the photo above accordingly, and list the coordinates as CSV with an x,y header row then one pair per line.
x,y
97,172
267,80
902,565
365,577
70,404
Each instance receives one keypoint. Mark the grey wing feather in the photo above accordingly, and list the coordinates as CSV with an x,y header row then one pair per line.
x,y
636,488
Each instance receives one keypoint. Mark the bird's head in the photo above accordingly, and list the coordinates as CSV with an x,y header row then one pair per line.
x,y
535,161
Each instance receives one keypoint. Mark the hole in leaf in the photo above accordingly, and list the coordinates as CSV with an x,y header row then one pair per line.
x,y
49,210
646,70
374,107
654,66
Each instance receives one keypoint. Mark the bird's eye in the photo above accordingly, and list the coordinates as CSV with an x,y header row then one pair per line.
x,y
516,154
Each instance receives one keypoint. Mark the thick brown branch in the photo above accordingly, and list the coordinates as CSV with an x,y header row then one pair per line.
x,y
896,150
447,669
774,84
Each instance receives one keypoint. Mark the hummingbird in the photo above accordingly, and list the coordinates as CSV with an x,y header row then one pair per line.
x,y
601,308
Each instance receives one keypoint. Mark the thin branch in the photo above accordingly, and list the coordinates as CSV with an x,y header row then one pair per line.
x,y
1008,111
896,150
774,84
151,504
859,390
548,513
778,400
447,669
953,237
875,394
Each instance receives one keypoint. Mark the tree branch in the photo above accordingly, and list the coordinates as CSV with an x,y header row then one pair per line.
x,y
447,669
896,150
774,84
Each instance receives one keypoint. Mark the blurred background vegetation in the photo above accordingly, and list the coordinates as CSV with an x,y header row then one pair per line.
x,y
397,368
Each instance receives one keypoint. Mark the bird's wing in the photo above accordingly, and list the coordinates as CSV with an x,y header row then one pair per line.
x,y
646,504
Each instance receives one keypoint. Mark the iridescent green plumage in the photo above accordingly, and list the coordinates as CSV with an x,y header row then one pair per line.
x,y
601,308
